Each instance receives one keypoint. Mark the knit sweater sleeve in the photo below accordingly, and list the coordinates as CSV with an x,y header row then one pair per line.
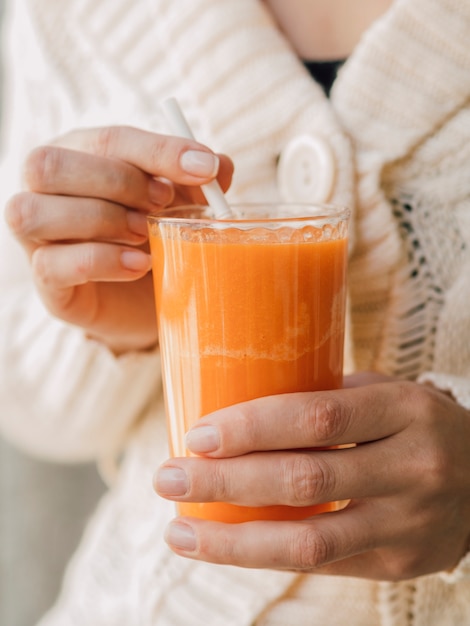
x,y
451,367
62,396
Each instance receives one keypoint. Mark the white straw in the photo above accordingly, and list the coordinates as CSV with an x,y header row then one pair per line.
x,y
179,126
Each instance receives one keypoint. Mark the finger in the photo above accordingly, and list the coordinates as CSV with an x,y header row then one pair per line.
x,y
301,546
35,217
297,479
68,278
60,266
361,541
120,315
183,161
57,170
306,420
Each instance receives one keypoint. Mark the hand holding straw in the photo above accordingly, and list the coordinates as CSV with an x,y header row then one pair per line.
x,y
179,126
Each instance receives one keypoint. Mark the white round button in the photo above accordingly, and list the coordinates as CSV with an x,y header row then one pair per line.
x,y
306,170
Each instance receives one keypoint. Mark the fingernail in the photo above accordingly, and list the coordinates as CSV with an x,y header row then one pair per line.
x,y
137,223
203,439
180,536
199,163
160,192
136,260
171,481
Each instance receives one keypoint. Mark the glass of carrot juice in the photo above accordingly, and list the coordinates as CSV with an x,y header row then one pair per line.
x,y
247,307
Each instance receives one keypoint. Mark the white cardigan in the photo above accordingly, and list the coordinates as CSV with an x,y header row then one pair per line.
x,y
398,127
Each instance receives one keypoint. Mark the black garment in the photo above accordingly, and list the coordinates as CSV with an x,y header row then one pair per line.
x,y
324,72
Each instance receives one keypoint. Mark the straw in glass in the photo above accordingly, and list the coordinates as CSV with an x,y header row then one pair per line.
x,y
179,126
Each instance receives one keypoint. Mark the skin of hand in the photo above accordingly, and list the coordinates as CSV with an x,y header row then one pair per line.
x,y
82,222
407,479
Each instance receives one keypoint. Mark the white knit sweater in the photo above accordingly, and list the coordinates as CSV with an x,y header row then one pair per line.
x,y
398,124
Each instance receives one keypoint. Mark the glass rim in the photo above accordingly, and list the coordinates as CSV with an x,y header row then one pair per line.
x,y
313,212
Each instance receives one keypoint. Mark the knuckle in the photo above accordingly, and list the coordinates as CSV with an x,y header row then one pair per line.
x,y
428,401
432,460
54,299
410,393
246,423
220,482
106,140
404,567
436,469
327,418
242,433
309,549
304,478
42,165
85,262
157,153
219,546
422,399
164,154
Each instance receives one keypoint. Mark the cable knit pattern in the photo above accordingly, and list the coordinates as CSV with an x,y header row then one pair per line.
x,y
398,124
227,70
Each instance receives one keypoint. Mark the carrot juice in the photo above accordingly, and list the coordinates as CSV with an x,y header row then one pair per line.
x,y
246,308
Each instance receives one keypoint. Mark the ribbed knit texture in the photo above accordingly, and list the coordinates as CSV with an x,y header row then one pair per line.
x,y
398,124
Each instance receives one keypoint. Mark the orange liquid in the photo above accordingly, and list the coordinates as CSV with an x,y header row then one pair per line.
x,y
242,320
